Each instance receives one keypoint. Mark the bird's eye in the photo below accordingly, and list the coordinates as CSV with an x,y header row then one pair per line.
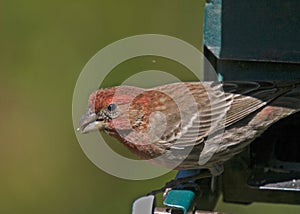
x,y
111,107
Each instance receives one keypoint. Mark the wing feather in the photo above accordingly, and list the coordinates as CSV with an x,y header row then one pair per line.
x,y
219,106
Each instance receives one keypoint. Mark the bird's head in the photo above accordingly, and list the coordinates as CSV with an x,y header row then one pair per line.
x,y
112,109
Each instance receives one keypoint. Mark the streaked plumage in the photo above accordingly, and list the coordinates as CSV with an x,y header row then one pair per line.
x,y
191,125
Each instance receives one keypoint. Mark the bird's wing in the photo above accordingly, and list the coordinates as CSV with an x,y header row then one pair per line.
x,y
219,106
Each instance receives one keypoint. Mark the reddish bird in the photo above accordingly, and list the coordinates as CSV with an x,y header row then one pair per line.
x,y
190,125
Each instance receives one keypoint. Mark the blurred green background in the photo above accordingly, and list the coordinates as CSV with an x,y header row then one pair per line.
x,y
44,45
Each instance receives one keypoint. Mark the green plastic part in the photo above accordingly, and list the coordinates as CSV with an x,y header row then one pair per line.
x,y
180,199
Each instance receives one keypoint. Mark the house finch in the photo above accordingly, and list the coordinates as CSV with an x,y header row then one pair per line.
x,y
190,125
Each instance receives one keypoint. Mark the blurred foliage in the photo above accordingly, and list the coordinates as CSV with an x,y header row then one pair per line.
x,y
44,45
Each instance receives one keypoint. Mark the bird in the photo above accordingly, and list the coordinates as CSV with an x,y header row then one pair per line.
x,y
190,125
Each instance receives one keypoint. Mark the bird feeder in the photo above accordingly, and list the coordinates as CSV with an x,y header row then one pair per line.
x,y
258,40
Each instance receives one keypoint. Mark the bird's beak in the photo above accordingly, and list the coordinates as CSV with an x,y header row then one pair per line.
x,y
89,122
